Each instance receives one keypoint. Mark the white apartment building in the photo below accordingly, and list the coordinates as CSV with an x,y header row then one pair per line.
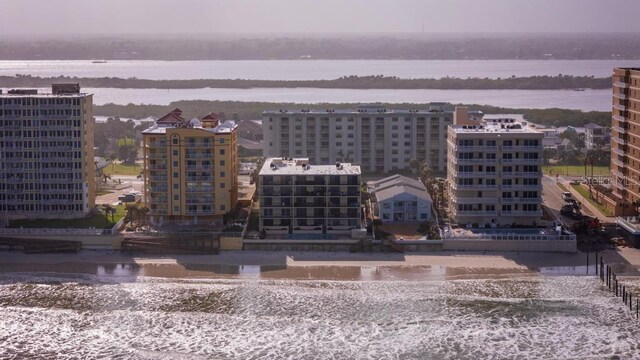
x,y
495,173
378,139
299,198
46,153
595,136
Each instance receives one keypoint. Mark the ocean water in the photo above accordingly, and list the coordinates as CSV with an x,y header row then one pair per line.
x,y
124,315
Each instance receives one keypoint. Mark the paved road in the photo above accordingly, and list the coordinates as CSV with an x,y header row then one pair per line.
x,y
552,197
132,181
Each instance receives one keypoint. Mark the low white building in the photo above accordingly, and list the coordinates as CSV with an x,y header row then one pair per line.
x,y
400,199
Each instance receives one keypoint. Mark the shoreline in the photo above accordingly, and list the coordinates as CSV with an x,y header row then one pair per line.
x,y
246,265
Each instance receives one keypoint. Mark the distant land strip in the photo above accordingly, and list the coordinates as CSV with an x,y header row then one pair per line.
x,y
559,82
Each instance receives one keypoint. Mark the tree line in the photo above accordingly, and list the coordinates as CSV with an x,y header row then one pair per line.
x,y
346,82
251,47
253,110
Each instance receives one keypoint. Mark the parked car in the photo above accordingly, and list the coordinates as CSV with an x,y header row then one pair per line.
x,y
575,182
566,196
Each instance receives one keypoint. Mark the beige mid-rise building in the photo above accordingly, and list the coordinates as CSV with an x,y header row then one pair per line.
x,y
46,153
190,169
625,142
495,173
377,138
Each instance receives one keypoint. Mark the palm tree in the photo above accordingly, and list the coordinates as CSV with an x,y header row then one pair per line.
x,y
144,213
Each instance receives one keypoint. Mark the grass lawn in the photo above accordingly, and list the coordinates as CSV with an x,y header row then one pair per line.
x,y
99,221
121,169
561,186
575,170
585,192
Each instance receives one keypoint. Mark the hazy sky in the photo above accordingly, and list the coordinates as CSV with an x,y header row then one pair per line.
x,y
57,17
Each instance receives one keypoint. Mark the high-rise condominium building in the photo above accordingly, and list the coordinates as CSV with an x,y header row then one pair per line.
x,y
46,153
299,198
495,173
625,141
190,169
378,139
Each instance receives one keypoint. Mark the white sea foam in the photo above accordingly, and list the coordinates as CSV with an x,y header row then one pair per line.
x,y
519,318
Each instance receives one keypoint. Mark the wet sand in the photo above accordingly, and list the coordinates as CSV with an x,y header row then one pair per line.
x,y
317,265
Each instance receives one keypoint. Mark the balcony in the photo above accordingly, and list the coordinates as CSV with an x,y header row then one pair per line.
x,y
521,187
522,174
618,163
476,174
621,84
199,167
157,167
476,213
157,156
474,161
535,213
198,156
537,148
158,201
158,189
618,151
157,178
619,118
157,144
619,140
199,178
474,148
620,129
200,190
475,200
475,187
620,107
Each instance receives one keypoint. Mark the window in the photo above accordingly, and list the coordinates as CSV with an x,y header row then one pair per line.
x,y
176,197
175,152
221,151
176,186
221,140
176,208
175,164
175,175
174,141
222,174
221,162
221,185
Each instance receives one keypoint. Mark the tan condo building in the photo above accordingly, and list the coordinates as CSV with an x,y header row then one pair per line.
x,y
625,142
377,138
190,169
46,154
495,173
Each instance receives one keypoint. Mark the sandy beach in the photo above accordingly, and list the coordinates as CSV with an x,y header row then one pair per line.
x,y
319,265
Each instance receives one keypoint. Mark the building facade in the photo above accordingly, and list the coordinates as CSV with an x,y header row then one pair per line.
x,y
190,170
378,139
299,198
399,199
595,136
46,154
625,141
495,173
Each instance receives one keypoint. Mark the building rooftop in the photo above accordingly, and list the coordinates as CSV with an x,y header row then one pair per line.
x,y
593,126
393,191
497,125
369,109
394,180
57,90
174,119
301,166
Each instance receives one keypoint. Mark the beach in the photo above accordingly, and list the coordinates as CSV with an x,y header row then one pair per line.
x,y
319,265
253,305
